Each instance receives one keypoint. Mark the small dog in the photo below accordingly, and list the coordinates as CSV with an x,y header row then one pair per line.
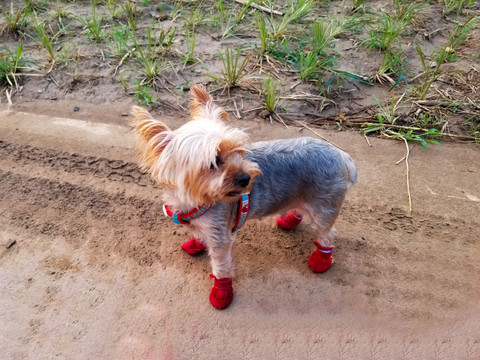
x,y
213,180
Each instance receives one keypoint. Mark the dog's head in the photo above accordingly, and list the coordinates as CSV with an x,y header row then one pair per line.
x,y
203,161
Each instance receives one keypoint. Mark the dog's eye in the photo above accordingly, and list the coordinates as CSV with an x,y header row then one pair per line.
x,y
218,162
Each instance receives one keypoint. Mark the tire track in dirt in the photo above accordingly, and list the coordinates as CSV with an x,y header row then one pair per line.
x,y
115,170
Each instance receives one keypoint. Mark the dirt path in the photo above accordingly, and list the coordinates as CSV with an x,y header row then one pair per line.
x,y
91,269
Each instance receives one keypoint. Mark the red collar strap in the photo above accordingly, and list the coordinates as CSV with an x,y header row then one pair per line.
x,y
184,219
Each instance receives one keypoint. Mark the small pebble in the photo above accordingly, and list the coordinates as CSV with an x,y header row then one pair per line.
x,y
76,108
264,114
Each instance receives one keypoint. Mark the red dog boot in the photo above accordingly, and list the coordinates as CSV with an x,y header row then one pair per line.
x,y
222,293
321,259
290,221
193,247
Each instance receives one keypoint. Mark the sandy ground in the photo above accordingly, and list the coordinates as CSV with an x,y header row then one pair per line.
x,y
91,269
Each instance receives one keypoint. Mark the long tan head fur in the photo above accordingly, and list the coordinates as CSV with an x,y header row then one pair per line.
x,y
203,161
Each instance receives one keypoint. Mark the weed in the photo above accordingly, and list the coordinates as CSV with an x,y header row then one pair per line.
x,y
323,34
406,10
120,36
270,95
44,38
14,20
423,138
386,126
295,13
227,20
113,9
308,65
451,6
10,64
385,34
64,57
393,62
152,64
429,74
142,93
388,114
190,39
244,9
260,22
36,5
233,67
195,17
461,32
357,3
131,11
93,25
458,37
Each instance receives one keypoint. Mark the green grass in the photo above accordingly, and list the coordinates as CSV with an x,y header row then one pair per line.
x,y
93,25
11,63
143,95
15,21
132,42
451,6
190,40
296,12
386,32
270,94
36,5
45,38
457,38
406,11
132,14
323,34
262,29
309,64
113,8
234,65
152,64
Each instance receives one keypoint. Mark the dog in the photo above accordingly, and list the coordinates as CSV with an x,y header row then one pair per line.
x,y
213,179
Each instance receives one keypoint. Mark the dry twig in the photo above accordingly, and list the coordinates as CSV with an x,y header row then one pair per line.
x,y
320,136
260,7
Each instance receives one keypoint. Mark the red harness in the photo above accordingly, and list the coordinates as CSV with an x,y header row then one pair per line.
x,y
185,218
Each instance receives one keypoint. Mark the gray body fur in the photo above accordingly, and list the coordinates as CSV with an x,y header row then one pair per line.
x,y
306,174
296,172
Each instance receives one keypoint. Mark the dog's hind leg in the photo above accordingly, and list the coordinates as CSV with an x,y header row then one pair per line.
x,y
291,220
193,247
323,222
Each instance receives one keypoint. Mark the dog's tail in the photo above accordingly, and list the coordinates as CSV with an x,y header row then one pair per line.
x,y
352,172
350,169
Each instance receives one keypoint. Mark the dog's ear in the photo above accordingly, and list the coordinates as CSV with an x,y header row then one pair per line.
x,y
153,135
202,102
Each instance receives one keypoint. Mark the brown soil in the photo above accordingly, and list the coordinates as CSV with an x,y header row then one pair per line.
x,y
91,269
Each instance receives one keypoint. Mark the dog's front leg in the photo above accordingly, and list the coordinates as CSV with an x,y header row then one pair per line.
x,y
220,251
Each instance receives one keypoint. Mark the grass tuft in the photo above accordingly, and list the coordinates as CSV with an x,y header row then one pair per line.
x,y
15,21
233,67
10,64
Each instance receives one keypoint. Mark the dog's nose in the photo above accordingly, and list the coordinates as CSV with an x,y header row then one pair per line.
x,y
243,180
